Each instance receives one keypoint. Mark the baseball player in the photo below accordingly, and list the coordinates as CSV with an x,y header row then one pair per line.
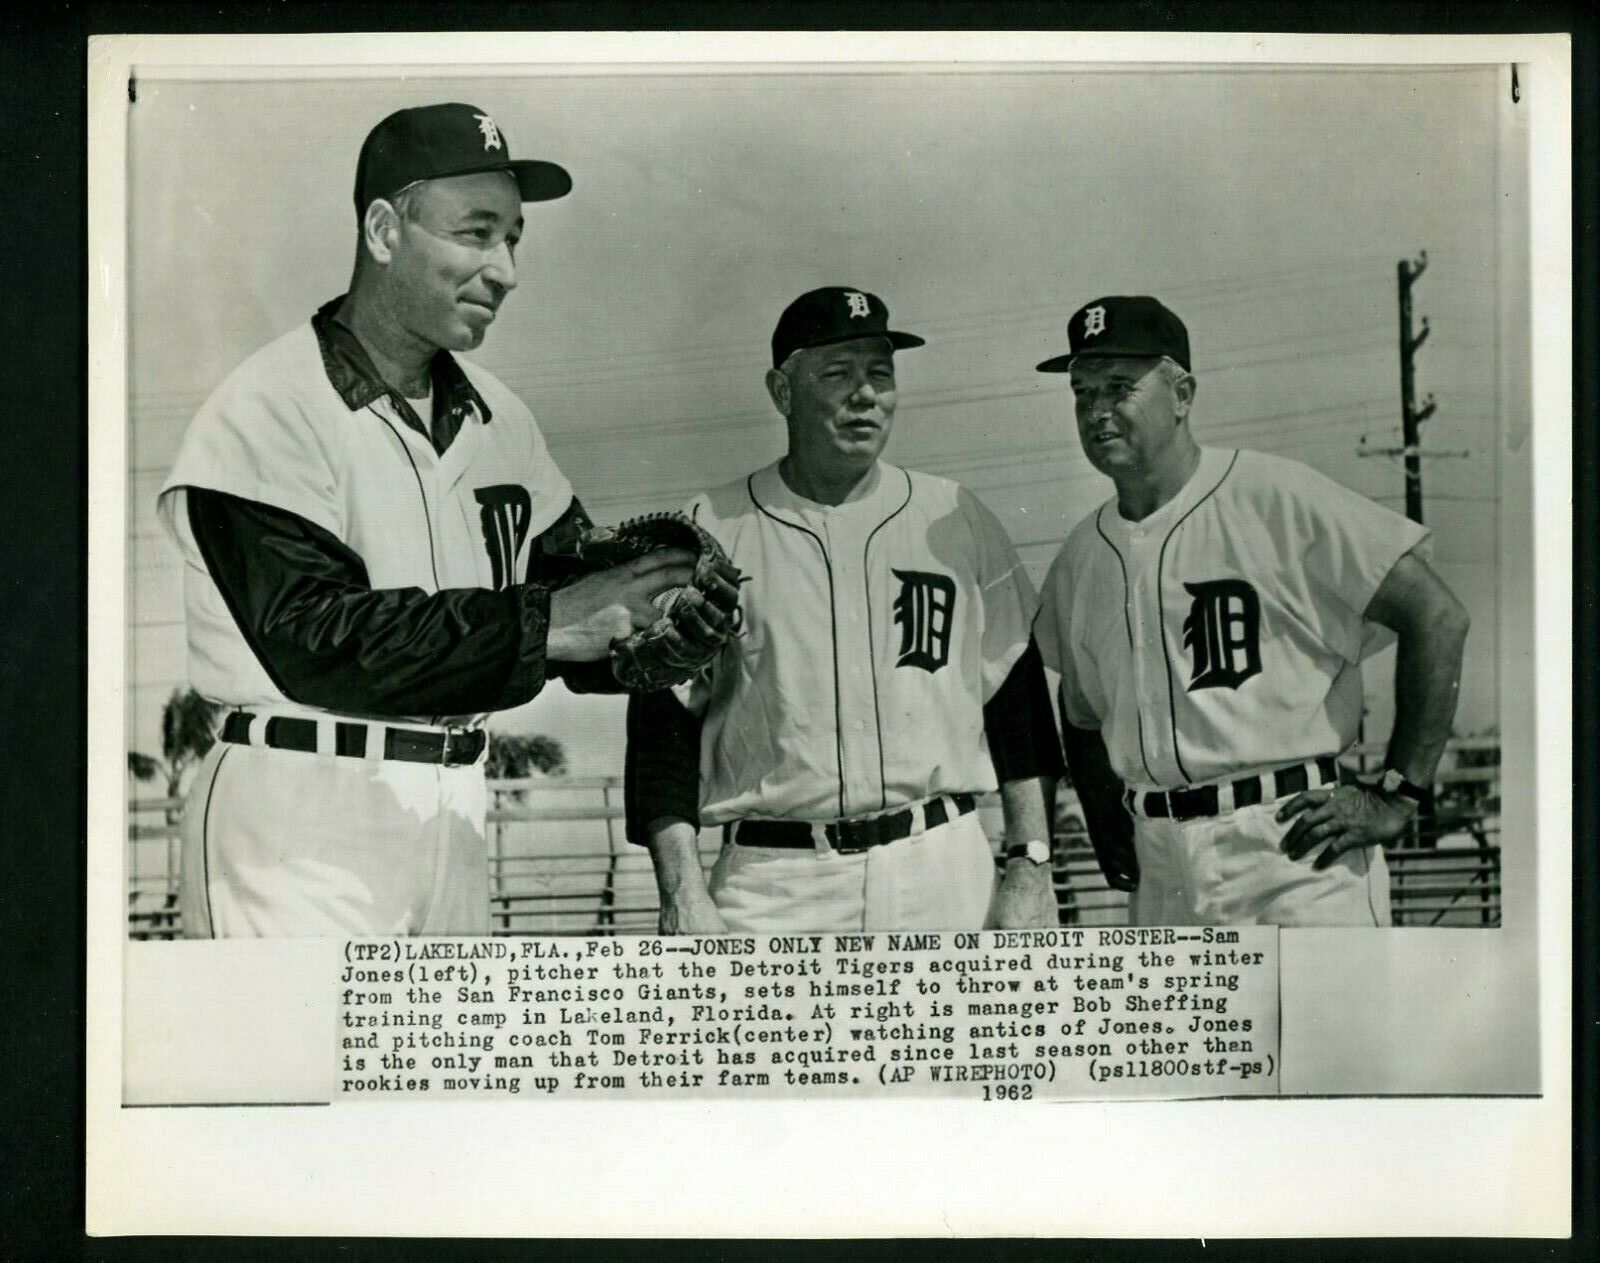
x,y
1208,623
364,522
884,679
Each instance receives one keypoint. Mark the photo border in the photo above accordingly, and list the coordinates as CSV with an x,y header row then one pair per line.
x,y
983,1196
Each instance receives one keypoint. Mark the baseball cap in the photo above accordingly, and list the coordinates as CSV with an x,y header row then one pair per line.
x,y
1122,326
432,142
834,314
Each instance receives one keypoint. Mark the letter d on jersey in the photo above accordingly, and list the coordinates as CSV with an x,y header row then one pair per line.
x,y
504,510
1223,631
924,611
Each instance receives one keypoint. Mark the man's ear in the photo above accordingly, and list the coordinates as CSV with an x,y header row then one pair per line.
x,y
1183,391
778,389
380,230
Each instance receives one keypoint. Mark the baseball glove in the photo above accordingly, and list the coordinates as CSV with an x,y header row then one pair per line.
x,y
696,621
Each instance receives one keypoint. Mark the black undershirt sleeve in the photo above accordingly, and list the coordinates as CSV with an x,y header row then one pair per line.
x,y
328,639
661,773
550,564
1104,813
1020,725
550,559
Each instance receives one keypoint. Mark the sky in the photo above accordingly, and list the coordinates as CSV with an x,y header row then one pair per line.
x,y
1268,208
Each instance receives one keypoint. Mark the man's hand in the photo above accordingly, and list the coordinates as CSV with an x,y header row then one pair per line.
x,y
1119,863
687,913
589,613
686,906
1026,899
1100,795
1344,818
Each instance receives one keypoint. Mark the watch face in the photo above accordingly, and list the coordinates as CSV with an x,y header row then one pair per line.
x,y
1039,852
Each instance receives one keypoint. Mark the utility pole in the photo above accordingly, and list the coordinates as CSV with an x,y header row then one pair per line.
x,y
1411,417
1411,454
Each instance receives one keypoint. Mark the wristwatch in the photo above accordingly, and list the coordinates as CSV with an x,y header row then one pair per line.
x,y
1392,782
1035,852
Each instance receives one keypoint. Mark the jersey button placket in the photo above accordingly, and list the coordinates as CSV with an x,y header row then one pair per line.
x,y
438,493
855,691
426,462
1161,682
1136,620
1149,662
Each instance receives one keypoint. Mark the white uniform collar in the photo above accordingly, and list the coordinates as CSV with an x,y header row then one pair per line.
x,y
1208,472
883,483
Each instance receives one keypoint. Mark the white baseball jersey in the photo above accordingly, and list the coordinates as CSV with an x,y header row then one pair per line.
x,y
875,630
278,432
285,842
1224,632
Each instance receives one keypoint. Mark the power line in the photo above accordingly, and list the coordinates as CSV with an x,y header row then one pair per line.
x,y
1220,291
1435,497
677,493
940,332
914,401
533,378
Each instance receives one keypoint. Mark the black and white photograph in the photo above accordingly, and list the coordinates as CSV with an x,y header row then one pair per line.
x,y
571,507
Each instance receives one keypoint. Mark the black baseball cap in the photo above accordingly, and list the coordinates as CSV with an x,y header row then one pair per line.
x,y
433,142
834,313
1121,326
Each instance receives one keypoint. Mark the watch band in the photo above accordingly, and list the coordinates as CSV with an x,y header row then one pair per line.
x,y
1034,852
1392,782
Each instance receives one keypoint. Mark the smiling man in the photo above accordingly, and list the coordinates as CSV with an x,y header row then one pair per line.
x,y
885,678
365,523
1208,623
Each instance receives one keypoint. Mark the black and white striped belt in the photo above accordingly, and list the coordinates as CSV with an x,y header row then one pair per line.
x,y
847,837
452,747
1196,801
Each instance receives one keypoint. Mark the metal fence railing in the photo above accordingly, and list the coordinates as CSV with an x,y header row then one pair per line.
x,y
560,865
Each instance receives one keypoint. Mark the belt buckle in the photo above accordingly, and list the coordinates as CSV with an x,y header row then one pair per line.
x,y
1195,804
450,735
845,837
